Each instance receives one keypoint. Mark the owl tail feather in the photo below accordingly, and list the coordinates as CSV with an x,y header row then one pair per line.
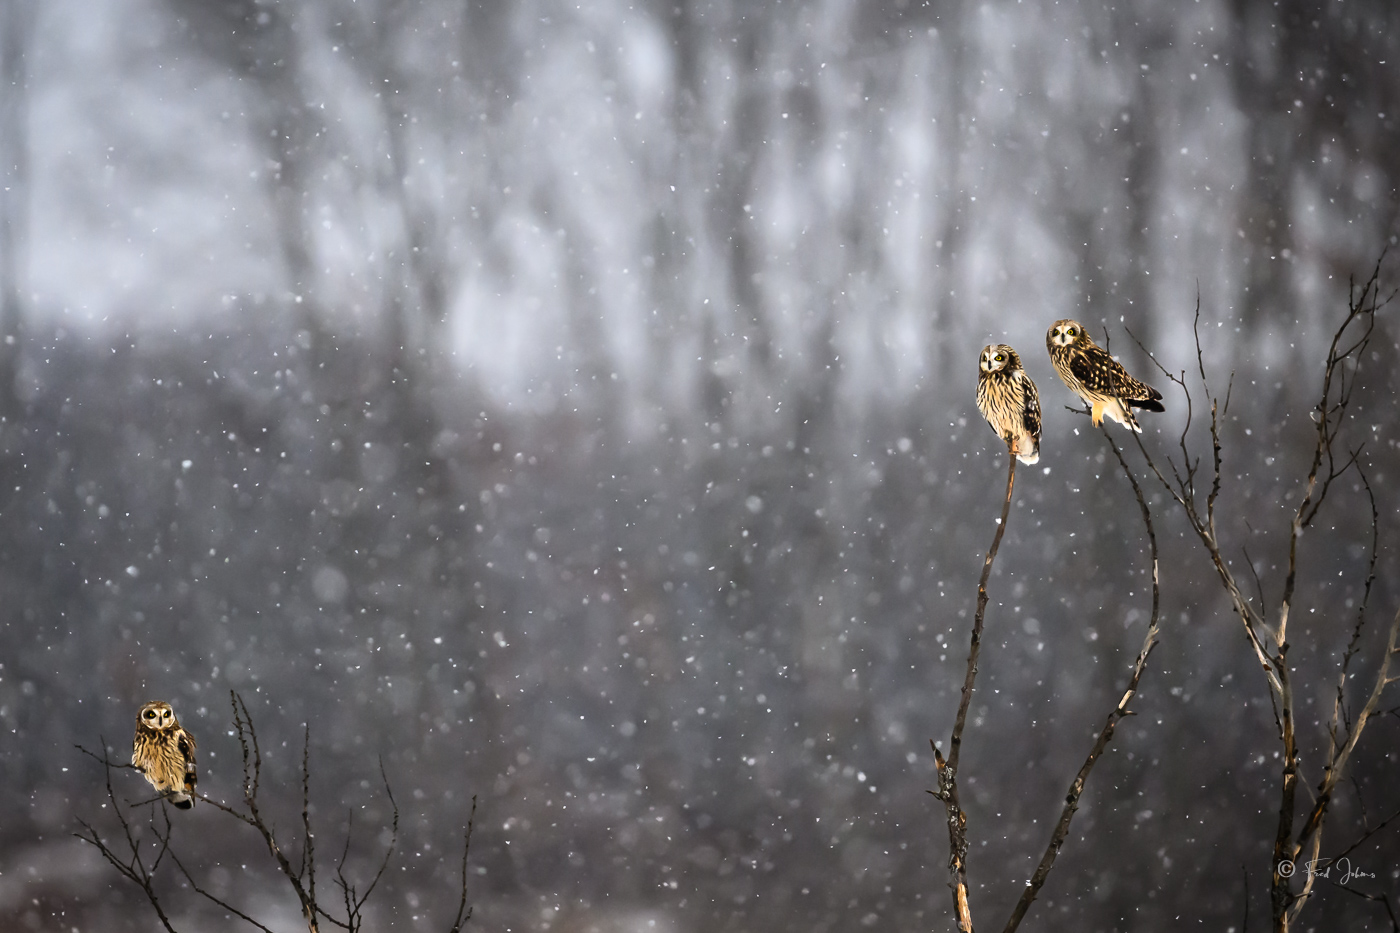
x,y
1117,411
1146,404
182,801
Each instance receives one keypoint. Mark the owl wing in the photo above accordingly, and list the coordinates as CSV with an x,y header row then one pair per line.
x,y
1103,375
1030,411
185,744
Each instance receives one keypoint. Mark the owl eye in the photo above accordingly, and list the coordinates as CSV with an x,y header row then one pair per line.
x,y
1000,357
1070,332
150,714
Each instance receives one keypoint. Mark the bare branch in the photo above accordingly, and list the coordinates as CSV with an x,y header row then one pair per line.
x,y
1337,761
1076,788
1249,619
1258,585
393,838
464,913
1244,926
134,868
1369,833
1270,644
139,866
308,848
213,899
1196,329
1339,710
1384,899
1327,416
948,769
347,890
248,737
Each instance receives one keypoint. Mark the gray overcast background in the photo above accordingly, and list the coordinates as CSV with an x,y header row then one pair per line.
x,y
571,404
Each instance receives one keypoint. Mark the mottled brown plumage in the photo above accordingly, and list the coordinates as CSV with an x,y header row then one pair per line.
x,y
1008,399
1098,378
164,752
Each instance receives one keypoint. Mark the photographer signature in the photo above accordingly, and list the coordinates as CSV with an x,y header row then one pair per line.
x,y
1322,868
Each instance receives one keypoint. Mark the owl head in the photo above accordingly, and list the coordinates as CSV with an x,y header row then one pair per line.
x,y
1067,333
999,356
156,715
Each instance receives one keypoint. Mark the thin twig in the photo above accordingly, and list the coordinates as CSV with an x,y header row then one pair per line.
x,y
353,900
347,890
141,870
1383,898
464,913
1270,643
308,848
243,723
1181,491
393,837
1258,585
133,869
1339,710
1337,761
214,899
1329,415
1244,927
1369,833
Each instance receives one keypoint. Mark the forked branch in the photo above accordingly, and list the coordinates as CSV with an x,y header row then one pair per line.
x,y
1336,766
138,858
1329,462
1076,788
132,864
252,774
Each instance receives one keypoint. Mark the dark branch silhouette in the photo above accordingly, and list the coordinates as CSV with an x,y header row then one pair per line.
x,y
464,912
1184,479
132,864
947,790
1329,462
138,860
948,768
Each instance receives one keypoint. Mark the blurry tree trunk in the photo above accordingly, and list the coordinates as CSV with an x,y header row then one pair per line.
x,y
416,310
259,42
16,28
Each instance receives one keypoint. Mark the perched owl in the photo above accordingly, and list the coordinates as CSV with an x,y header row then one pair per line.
x,y
1098,378
1008,399
164,752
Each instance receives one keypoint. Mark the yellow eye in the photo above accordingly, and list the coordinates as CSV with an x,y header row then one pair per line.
x,y
150,714
1070,332
999,357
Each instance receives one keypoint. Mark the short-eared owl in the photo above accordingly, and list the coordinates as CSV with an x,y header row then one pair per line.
x,y
1008,399
1098,378
164,752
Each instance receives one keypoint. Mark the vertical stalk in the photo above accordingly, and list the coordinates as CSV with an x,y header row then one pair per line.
x,y
948,768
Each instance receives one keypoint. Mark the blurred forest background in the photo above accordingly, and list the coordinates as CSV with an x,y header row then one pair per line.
x,y
572,404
